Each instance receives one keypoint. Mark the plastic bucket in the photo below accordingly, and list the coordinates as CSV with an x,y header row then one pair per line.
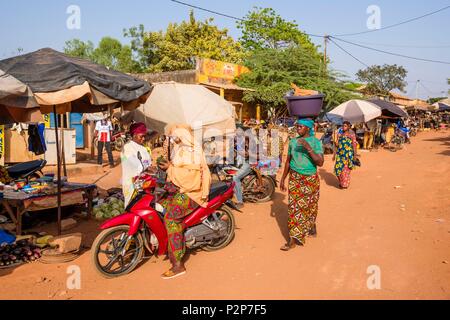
x,y
305,106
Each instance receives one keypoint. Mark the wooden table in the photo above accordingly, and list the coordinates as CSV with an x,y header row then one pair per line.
x,y
16,208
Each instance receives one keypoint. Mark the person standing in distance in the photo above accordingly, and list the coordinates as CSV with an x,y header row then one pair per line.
x,y
103,132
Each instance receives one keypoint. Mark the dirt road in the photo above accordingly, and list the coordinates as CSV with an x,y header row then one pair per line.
x,y
395,216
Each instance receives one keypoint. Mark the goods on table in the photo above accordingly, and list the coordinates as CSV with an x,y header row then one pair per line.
x,y
17,253
110,207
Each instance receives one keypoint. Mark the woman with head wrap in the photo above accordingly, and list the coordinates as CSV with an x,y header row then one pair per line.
x,y
132,166
188,186
345,154
304,156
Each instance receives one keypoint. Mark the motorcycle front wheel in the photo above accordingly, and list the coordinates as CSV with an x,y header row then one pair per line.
x,y
113,256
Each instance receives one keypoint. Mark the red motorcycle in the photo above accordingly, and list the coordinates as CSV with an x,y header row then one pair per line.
x,y
125,239
118,140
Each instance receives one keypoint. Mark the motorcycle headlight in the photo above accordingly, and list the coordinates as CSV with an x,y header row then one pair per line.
x,y
138,184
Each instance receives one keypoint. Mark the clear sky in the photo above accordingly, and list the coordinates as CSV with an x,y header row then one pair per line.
x,y
32,25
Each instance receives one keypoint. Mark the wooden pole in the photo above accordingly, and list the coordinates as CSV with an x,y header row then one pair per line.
x,y
325,39
63,152
58,162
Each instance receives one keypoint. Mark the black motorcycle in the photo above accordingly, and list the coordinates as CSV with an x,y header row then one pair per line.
x,y
27,170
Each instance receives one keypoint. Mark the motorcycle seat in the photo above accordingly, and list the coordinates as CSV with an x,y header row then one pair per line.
x,y
217,189
26,168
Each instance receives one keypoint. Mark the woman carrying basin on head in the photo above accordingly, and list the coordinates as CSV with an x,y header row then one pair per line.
x,y
304,156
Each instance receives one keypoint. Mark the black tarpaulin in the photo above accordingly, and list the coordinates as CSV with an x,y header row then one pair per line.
x,y
47,70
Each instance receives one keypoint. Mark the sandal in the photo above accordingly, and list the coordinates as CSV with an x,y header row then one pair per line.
x,y
171,274
313,232
288,247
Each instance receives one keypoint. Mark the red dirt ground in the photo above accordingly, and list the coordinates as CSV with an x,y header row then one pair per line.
x,y
405,231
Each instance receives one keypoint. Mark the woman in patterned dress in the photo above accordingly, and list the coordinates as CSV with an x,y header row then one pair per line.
x,y
304,156
188,186
345,155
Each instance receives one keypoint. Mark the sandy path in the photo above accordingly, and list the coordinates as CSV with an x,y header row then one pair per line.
x,y
358,228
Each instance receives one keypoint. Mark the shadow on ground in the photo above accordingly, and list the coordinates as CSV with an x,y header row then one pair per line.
x,y
329,178
445,141
279,211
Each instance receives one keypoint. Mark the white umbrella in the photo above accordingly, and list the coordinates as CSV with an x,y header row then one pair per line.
x,y
357,111
171,103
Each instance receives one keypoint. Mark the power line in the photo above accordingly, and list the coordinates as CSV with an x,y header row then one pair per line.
x,y
432,93
351,55
227,15
335,37
391,53
408,46
207,10
360,61
393,25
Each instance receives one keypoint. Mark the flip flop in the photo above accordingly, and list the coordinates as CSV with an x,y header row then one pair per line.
x,y
171,275
286,248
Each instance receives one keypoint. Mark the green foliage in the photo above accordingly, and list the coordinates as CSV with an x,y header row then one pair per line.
x,y
434,100
383,79
263,28
273,71
352,86
109,52
176,48
79,49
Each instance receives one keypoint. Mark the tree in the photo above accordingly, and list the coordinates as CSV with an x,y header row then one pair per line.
x,y
434,100
263,28
78,48
109,52
176,48
383,79
273,71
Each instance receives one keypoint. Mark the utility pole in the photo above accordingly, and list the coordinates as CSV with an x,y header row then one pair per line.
x,y
417,89
325,40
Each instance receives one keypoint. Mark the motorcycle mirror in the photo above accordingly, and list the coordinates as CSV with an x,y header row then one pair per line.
x,y
139,156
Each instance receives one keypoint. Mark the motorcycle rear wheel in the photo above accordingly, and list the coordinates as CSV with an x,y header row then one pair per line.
x,y
111,251
267,194
224,213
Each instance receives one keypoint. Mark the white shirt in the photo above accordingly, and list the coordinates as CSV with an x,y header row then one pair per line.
x,y
104,131
132,166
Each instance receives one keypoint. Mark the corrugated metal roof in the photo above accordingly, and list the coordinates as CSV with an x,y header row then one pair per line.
x,y
225,86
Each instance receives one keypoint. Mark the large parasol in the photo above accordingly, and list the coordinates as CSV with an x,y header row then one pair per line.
x,y
357,111
389,109
195,105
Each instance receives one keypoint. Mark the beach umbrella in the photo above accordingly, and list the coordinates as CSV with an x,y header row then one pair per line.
x,y
17,103
357,111
61,84
171,103
389,109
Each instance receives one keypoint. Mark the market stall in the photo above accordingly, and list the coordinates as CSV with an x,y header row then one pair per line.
x,y
42,195
61,84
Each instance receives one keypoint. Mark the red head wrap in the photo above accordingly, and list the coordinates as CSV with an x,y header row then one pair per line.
x,y
138,128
